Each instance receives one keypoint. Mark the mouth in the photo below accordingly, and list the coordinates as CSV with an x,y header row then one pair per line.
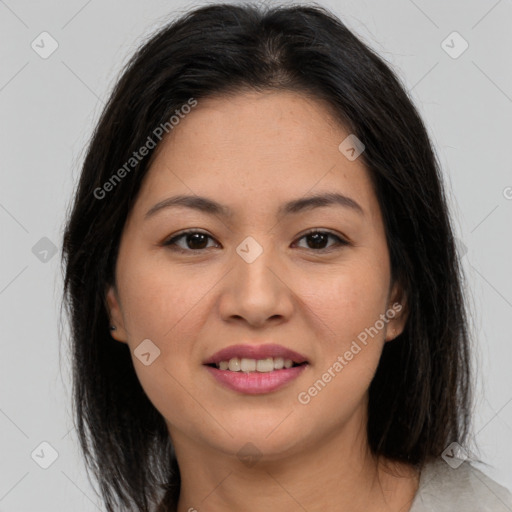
x,y
236,355
269,364
251,369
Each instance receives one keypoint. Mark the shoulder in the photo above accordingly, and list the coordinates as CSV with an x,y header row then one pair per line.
x,y
443,488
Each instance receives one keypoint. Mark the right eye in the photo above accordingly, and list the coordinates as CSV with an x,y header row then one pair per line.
x,y
196,239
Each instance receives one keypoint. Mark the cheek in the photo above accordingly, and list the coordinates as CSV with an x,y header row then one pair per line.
x,y
159,299
348,301
349,304
164,306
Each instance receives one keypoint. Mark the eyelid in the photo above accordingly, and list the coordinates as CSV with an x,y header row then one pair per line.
x,y
168,241
341,240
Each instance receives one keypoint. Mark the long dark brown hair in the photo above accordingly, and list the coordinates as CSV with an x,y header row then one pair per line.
x,y
420,397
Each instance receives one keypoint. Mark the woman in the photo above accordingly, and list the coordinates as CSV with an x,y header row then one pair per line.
x,y
262,281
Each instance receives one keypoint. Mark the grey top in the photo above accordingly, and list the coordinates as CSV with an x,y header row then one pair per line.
x,y
464,489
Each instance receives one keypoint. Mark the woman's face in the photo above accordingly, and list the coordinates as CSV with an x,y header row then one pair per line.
x,y
252,277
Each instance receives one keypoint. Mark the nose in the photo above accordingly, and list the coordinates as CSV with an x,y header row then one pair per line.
x,y
257,292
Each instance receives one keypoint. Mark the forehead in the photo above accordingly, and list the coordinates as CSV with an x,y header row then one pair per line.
x,y
256,118
278,144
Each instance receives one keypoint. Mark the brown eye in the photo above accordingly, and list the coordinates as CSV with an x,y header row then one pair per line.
x,y
317,240
194,241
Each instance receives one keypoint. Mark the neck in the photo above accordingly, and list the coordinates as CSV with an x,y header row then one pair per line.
x,y
337,473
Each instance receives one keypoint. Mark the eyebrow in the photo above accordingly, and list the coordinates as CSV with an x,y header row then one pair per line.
x,y
295,206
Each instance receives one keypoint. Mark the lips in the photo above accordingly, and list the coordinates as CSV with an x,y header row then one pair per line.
x,y
255,352
255,383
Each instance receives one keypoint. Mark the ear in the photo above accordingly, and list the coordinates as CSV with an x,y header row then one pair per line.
x,y
397,312
115,315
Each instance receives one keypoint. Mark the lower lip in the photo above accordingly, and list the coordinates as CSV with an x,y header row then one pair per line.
x,y
256,383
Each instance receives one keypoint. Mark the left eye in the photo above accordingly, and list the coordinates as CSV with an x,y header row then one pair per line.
x,y
319,237
196,240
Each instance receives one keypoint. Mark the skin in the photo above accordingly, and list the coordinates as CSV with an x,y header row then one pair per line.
x,y
252,152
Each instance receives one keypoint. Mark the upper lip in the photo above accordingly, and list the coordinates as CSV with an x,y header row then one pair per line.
x,y
255,352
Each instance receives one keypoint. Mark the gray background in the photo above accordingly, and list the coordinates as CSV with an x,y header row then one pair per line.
x,y
47,110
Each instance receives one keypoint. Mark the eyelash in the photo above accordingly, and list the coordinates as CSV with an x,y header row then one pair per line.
x,y
171,242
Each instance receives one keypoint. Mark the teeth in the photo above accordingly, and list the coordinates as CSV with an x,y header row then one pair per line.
x,y
234,364
265,365
248,365
269,364
278,363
